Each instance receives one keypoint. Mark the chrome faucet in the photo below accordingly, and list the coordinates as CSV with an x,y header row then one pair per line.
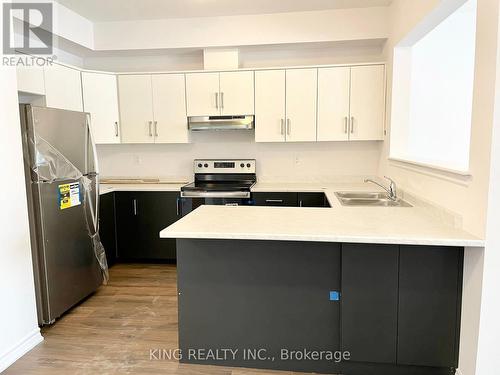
x,y
391,190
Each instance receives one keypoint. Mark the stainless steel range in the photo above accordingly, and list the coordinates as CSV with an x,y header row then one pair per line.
x,y
219,182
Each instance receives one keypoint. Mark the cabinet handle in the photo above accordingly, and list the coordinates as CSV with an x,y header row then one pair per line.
x,y
346,120
149,125
156,128
116,128
288,126
135,206
352,124
178,208
222,100
217,100
300,203
274,200
282,127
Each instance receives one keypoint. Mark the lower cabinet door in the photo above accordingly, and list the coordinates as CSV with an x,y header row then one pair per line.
x,y
107,226
430,282
284,199
370,302
160,210
312,200
128,210
140,218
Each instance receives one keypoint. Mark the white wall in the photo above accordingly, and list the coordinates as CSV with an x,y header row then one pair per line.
x,y
489,329
426,119
295,27
465,196
298,54
19,331
275,162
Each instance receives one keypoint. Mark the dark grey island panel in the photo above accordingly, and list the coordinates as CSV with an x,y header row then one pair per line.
x,y
430,290
248,295
370,302
378,309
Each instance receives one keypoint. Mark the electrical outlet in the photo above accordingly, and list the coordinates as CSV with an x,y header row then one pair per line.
x,y
137,159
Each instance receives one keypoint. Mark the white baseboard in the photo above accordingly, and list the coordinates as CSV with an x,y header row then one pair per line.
x,y
21,348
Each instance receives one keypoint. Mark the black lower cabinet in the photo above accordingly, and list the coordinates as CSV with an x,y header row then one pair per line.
x,y
398,311
107,226
312,200
370,302
140,216
283,199
253,295
290,199
430,282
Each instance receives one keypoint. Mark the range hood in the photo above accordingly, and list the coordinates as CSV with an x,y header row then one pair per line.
x,y
199,123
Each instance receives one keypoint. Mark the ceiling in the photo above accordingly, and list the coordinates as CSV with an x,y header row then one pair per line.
x,y
126,10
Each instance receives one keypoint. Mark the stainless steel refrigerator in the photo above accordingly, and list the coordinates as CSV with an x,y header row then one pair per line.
x,y
63,202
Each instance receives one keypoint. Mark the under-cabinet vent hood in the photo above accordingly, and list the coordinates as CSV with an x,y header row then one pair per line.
x,y
198,123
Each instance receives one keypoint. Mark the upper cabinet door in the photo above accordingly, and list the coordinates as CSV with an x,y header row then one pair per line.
x,y
367,102
136,108
169,105
100,98
202,91
270,106
301,101
63,88
237,93
333,104
30,80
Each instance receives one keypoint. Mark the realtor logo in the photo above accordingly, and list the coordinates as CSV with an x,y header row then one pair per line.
x,y
36,34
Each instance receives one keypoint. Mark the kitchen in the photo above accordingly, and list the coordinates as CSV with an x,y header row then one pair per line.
x,y
242,194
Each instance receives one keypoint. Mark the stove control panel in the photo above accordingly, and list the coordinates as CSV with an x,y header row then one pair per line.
x,y
224,166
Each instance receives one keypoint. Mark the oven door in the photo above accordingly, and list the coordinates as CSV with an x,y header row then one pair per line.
x,y
191,203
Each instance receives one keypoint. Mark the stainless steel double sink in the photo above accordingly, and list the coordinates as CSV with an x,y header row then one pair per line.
x,y
369,199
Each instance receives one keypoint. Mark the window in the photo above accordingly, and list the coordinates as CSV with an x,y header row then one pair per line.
x,y
433,81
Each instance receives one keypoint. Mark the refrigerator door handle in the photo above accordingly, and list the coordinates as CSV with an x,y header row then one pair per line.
x,y
95,174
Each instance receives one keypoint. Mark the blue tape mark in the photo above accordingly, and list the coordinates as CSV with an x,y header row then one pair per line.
x,y
334,296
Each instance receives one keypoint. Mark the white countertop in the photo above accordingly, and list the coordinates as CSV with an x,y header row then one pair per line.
x,y
390,225
105,188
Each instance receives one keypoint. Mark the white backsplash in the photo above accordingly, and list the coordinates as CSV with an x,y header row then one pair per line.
x,y
276,162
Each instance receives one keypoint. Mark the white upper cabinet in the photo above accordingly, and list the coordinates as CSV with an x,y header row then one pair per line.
x,y
301,104
136,108
333,103
237,93
203,98
270,106
351,103
342,103
285,105
100,99
215,94
169,108
30,80
367,102
63,88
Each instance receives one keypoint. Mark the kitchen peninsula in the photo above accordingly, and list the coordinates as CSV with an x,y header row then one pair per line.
x,y
381,287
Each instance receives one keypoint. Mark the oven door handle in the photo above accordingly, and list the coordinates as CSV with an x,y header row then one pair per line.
x,y
215,194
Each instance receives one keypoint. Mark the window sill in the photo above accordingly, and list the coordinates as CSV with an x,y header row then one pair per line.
x,y
432,169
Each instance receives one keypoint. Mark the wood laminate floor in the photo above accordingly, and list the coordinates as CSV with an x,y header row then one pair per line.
x,y
113,331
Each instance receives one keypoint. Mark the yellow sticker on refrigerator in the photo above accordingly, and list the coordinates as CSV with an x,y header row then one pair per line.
x,y
69,195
